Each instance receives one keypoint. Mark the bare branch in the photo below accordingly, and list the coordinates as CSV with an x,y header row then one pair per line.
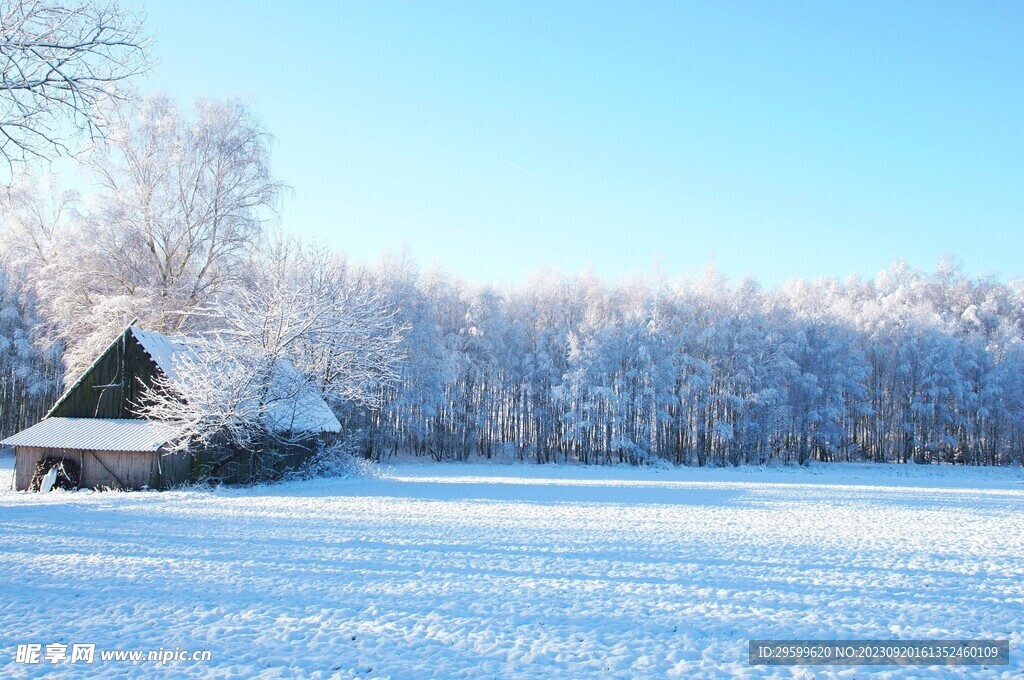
x,y
60,63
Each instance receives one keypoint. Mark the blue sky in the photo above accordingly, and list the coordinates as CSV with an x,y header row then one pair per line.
x,y
778,139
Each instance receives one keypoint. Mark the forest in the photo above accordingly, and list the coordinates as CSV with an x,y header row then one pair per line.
x,y
906,367
174,219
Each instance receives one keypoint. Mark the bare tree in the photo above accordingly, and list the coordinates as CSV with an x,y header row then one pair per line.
x,y
60,63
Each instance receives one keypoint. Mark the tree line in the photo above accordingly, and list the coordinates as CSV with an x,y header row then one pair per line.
x,y
906,367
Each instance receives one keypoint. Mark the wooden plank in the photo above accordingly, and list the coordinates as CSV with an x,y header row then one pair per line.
x,y
26,458
120,469
175,468
111,387
136,469
246,469
100,469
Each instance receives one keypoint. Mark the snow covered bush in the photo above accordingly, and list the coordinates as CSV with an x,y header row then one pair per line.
x,y
341,458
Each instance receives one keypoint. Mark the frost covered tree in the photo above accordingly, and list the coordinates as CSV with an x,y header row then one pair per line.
x,y
61,63
181,212
31,351
413,403
908,367
183,204
304,323
30,366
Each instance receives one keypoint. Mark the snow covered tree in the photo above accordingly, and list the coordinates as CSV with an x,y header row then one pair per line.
x,y
302,325
183,205
905,367
30,366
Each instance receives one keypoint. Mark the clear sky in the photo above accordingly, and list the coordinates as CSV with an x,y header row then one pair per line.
x,y
778,139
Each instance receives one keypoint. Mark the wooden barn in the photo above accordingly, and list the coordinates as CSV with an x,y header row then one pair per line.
x,y
93,426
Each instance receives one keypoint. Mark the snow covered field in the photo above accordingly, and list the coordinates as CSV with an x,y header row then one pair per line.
x,y
517,571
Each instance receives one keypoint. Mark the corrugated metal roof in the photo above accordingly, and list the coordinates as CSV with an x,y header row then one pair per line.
x,y
96,434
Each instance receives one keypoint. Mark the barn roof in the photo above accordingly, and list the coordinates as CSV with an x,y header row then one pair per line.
x,y
305,411
96,434
166,351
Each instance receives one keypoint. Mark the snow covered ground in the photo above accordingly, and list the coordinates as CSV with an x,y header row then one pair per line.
x,y
517,571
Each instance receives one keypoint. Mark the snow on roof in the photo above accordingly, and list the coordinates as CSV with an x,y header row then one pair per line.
x,y
306,411
165,350
303,412
96,434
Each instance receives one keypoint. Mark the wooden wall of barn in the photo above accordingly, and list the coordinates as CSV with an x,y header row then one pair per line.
x,y
111,387
254,467
136,469
109,469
